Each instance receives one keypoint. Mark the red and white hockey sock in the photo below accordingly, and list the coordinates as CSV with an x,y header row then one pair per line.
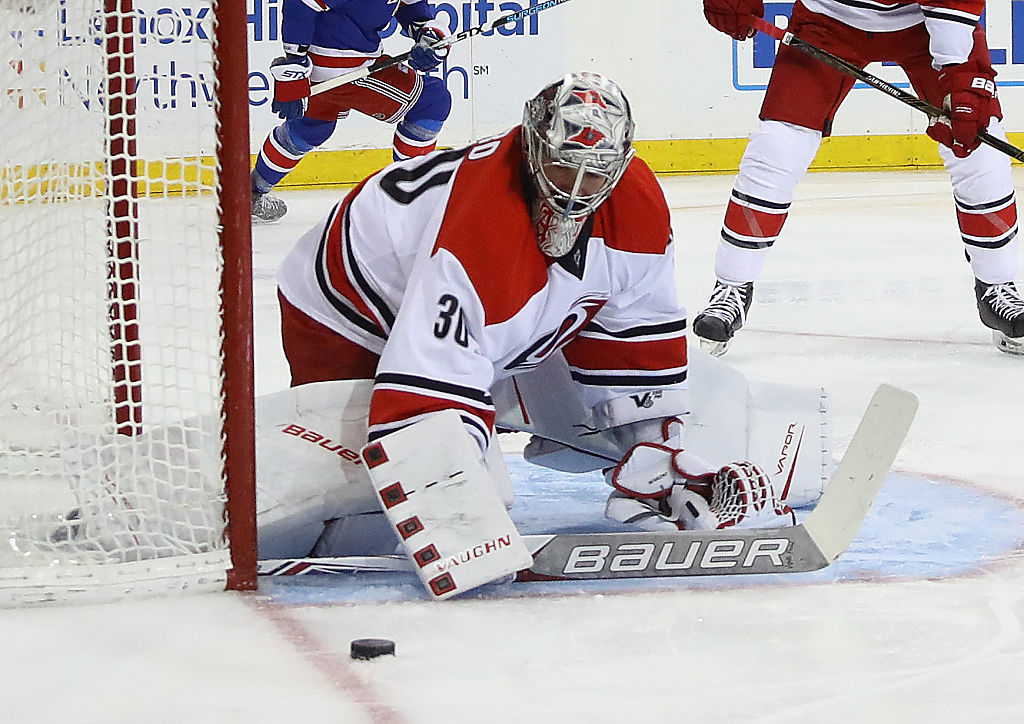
x,y
989,233
275,161
404,146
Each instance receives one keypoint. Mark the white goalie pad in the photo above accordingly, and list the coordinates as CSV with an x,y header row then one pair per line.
x,y
434,487
308,467
786,429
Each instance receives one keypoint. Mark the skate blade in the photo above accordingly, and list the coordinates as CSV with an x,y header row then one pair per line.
x,y
713,347
1010,345
260,221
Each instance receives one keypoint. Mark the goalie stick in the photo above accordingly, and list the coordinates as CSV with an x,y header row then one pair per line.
x,y
827,531
439,45
788,38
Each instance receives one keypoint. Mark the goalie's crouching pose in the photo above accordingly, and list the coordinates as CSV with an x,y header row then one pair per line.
x,y
440,278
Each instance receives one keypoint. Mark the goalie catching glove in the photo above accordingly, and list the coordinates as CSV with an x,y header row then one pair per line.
x,y
659,486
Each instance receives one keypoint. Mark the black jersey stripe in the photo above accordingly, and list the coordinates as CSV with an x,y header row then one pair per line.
x,y
676,325
374,299
867,5
631,380
940,14
333,297
430,385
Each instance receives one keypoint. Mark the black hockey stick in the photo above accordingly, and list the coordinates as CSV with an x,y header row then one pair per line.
x,y
827,531
787,38
439,45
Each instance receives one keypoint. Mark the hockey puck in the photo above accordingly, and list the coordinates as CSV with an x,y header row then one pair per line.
x,y
372,648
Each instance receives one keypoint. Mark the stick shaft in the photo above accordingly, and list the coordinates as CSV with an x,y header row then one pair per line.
x,y
443,43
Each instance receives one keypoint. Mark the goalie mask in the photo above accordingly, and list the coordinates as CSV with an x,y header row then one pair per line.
x,y
577,143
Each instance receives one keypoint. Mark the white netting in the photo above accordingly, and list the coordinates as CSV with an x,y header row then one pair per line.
x,y
108,226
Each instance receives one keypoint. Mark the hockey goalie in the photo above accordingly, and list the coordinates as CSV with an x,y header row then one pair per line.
x,y
524,282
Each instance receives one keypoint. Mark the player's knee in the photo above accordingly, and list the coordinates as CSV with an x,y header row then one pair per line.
x,y
776,158
431,110
302,135
982,177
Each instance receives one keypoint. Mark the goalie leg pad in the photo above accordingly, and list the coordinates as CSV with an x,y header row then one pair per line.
x,y
435,488
308,468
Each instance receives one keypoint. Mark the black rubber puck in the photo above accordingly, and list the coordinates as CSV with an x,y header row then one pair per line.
x,y
372,648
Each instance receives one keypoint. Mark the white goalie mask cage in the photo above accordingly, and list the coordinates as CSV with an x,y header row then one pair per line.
x,y
583,123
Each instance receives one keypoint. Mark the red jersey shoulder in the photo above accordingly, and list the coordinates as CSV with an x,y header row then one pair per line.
x,y
635,217
487,227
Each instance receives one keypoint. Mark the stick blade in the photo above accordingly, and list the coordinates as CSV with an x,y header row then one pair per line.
x,y
834,523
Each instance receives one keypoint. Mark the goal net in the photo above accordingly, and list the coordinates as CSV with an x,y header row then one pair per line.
x,y
125,300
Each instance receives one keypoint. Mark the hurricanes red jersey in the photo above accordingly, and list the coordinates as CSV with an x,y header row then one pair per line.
x,y
950,23
433,264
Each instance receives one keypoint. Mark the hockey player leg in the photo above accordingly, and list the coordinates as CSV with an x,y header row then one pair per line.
x,y
986,211
281,152
435,488
416,134
775,160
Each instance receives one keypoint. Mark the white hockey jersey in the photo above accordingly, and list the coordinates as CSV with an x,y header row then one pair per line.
x,y
433,264
950,23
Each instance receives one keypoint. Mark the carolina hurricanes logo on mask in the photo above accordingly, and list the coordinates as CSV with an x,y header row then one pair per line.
x,y
589,137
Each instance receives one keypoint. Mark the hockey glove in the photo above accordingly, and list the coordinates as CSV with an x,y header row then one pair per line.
x,y
659,486
423,57
969,97
291,85
732,17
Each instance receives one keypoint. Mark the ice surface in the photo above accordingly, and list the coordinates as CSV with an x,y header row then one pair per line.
x,y
920,621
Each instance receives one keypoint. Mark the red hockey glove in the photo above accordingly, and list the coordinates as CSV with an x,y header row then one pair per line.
x,y
731,16
291,85
969,97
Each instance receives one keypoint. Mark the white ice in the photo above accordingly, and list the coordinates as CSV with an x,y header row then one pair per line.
x,y
867,285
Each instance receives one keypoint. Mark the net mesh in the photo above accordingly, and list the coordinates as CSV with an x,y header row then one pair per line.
x,y
110,369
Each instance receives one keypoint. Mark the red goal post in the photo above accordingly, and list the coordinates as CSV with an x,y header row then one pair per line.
x,y
126,368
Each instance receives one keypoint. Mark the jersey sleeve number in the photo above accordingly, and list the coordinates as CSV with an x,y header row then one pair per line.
x,y
404,185
451,319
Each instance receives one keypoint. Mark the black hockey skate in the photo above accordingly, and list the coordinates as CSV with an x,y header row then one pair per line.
x,y
726,312
1001,308
267,208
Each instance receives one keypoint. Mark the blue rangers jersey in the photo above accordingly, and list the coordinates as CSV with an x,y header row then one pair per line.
x,y
345,33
